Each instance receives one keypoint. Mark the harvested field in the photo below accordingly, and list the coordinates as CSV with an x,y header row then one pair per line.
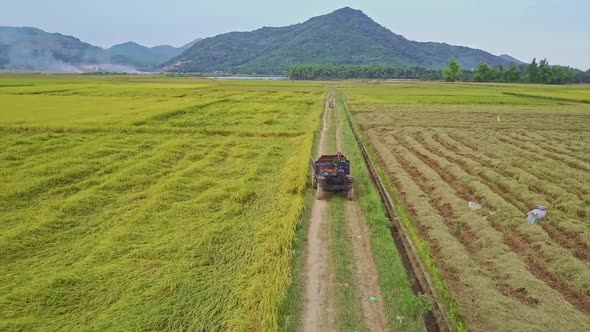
x,y
441,150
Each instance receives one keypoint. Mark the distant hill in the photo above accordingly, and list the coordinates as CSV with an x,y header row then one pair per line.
x,y
346,36
26,48
511,59
145,57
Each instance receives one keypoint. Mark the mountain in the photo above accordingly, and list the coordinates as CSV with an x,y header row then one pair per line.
x,y
346,36
189,45
511,59
26,48
146,57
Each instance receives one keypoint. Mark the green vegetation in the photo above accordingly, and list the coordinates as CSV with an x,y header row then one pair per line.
x,y
453,72
149,204
443,145
349,314
533,73
317,72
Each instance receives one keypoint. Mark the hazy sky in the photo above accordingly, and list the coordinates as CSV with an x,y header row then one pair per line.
x,y
556,29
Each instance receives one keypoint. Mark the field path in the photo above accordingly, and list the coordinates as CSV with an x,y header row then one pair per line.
x,y
320,301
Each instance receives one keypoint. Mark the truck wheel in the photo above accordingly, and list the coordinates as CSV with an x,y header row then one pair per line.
x,y
350,194
319,193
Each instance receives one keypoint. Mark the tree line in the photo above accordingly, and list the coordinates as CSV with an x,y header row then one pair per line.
x,y
327,72
535,72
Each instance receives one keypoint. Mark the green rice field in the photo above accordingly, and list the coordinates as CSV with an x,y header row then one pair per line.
x,y
149,204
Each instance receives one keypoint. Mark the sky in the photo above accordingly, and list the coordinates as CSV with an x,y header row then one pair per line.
x,y
558,30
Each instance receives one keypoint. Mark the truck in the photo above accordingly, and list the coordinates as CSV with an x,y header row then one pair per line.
x,y
327,177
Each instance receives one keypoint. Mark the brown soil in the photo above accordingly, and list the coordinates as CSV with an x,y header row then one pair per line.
x,y
521,294
318,313
569,240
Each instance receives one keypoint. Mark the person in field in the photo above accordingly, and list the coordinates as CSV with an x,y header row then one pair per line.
x,y
339,161
536,214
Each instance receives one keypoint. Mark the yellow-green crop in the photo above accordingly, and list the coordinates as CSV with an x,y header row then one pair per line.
x,y
149,204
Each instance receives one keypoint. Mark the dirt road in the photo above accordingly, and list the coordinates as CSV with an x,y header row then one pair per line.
x,y
318,311
320,304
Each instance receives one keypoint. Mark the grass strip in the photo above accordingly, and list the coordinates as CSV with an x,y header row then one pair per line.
x,y
348,308
144,130
526,95
332,139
